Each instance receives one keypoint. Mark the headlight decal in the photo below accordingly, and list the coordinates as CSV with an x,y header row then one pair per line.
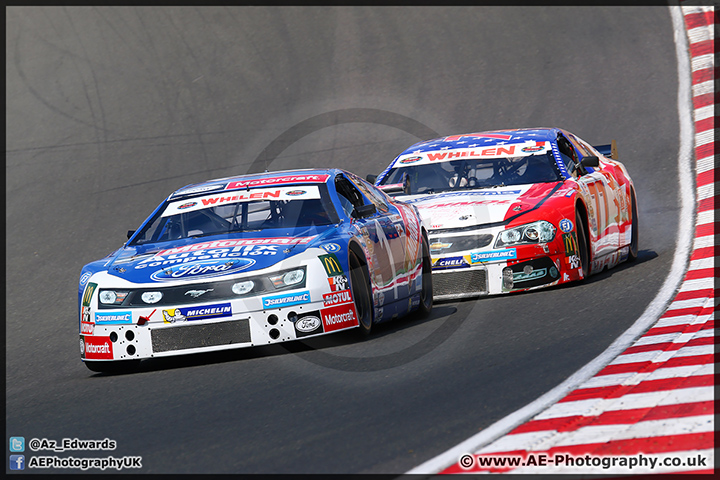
x,y
529,234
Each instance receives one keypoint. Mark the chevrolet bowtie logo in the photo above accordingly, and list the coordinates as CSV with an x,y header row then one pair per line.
x,y
197,293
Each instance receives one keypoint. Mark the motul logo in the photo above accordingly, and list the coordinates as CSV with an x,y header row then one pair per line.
x,y
337,298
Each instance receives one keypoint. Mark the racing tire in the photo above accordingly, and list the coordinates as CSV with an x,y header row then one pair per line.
x,y
583,249
121,366
360,285
633,254
426,294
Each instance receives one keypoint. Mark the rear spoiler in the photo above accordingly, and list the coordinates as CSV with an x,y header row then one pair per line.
x,y
609,151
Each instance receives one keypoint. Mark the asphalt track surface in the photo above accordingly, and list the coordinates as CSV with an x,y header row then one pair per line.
x,y
111,109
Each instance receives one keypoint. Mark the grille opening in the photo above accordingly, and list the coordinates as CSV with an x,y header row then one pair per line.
x,y
459,284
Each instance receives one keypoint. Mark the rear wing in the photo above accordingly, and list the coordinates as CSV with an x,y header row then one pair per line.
x,y
609,151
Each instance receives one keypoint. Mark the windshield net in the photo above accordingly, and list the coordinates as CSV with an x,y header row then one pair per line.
x,y
241,211
475,173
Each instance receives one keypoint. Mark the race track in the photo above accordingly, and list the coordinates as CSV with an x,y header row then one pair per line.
x,y
111,109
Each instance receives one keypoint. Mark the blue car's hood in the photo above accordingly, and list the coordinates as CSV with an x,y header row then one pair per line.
x,y
201,258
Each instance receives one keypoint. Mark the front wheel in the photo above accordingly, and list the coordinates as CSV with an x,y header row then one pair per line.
x,y
360,284
632,256
583,249
426,294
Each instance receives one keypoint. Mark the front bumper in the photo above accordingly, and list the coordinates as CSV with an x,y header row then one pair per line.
x,y
249,328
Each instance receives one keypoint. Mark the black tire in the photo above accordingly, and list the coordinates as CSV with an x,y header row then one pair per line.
x,y
360,284
583,247
121,366
632,256
426,294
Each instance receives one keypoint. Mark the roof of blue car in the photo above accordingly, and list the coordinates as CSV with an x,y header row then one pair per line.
x,y
494,137
254,180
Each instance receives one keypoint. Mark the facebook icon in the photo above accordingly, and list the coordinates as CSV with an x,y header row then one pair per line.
x,y
17,462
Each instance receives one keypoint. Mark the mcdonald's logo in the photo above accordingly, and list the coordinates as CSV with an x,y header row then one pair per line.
x,y
89,290
570,241
331,264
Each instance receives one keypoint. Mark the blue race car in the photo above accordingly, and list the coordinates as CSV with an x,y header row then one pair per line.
x,y
254,260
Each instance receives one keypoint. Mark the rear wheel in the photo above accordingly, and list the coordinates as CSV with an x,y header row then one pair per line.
x,y
426,294
634,241
360,284
583,249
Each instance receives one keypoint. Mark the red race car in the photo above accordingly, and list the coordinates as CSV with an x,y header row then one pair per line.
x,y
514,210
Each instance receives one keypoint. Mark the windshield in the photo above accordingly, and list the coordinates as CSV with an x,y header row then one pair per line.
x,y
241,211
470,173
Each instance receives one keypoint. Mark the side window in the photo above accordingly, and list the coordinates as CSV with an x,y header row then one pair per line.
x,y
373,195
568,155
350,197
589,148
579,145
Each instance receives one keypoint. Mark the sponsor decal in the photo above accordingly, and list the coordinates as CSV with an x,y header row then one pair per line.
x,y
87,296
204,188
471,152
331,247
214,254
519,277
85,314
449,262
497,136
113,318
491,255
308,324
175,315
84,278
410,160
203,269
187,205
379,299
338,283
565,225
295,193
233,244
336,298
474,193
278,181
566,277
87,328
98,348
331,264
570,242
339,317
439,246
227,198
533,149
286,300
